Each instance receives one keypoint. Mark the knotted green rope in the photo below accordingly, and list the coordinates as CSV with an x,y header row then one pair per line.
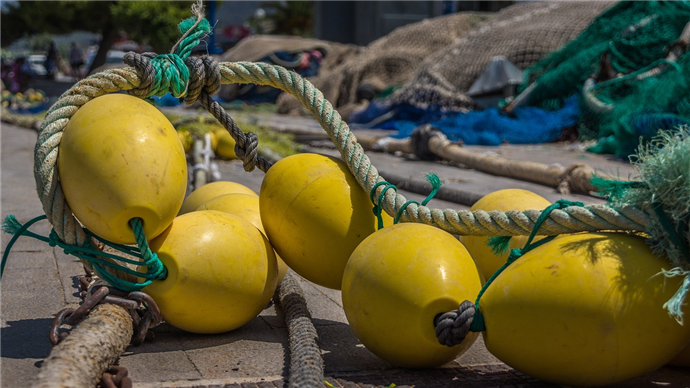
x,y
171,72
155,270
478,322
378,208
435,186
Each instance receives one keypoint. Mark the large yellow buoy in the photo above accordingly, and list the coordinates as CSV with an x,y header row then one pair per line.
x,y
315,214
584,310
247,207
682,359
502,200
209,191
226,145
222,272
395,284
120,158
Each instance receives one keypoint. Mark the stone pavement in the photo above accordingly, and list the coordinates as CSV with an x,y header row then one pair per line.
x,y
40,280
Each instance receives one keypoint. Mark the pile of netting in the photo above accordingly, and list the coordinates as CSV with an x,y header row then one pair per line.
x,y
387,62
437,93
523,33
635,89
306,57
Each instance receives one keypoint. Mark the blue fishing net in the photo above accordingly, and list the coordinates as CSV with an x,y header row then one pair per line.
x,y
529,125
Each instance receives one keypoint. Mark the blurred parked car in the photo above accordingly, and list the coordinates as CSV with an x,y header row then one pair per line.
x,y
37,65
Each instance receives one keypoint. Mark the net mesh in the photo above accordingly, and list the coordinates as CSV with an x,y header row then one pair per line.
x,y
622,43
523,33
388,61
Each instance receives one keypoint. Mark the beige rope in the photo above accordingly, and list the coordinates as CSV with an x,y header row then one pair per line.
x,y
569,220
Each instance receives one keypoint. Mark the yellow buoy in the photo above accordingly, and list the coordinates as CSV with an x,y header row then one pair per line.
x,y
315,214
120,158
682,359
222,272
247,207
226,145
584,310
214,189
186,139
397,281
502,200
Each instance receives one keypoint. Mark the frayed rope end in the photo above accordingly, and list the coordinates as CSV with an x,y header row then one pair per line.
x,y
499,245
10,225
675,304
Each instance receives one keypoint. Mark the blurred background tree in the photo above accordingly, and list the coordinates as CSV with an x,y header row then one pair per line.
x,y
285,18
151,23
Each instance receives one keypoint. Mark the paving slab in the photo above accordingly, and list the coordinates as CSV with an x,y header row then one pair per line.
x,y
40,280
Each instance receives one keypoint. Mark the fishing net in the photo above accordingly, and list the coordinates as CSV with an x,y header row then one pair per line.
x,y
305,56
523,33
617,51
388,61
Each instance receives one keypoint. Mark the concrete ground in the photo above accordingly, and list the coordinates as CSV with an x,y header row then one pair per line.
x,y
39,281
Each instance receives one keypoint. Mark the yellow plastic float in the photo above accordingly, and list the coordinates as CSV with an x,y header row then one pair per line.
x,y
503,200
209,191
119,159
584,310
682,359
395,284
221,272
246,207
225,148
315,214
186,139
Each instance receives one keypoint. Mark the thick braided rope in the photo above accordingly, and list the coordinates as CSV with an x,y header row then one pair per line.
x,y
495,223
306,363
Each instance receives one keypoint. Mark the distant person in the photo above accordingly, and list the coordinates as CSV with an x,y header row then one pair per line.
x,y
76,60
19,76
51,60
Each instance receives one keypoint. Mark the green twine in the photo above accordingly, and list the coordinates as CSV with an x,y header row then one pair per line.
x,y
172,75
435,186
155,270
478,319
378,207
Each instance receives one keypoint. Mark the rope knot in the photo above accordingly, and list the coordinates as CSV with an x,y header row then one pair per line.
x,y
53,239
169,73
452,327
246,150
204,76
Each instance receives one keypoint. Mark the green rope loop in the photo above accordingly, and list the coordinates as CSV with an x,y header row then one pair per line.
x,y
378,208
478,319
435,186
11,223
172,74
155,268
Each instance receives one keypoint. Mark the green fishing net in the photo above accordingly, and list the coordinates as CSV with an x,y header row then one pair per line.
x,y
622,43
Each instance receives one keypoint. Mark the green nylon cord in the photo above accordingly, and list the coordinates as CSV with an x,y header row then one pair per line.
x,y
155,268
478,318
11,223
435,186
378,208
171,73
431,177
